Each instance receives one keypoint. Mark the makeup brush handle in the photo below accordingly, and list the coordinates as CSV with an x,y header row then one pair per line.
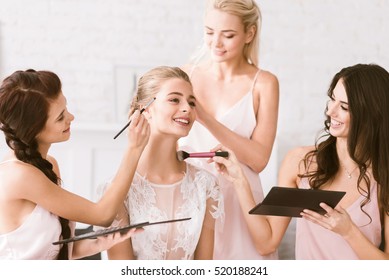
x,y
208,154
222,154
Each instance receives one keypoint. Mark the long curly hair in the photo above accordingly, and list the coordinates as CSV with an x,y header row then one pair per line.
x,y
24,105
367,89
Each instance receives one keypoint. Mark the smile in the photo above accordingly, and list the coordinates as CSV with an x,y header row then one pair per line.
x,y
182,121
335,123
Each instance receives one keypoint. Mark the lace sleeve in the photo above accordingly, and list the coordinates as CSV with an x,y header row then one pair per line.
x,y
215,203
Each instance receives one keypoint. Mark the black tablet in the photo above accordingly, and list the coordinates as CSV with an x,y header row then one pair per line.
x,y
122,229
290,202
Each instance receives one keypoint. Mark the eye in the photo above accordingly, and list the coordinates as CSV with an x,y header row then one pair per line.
x,y
174,100
230,36
344,108
192,103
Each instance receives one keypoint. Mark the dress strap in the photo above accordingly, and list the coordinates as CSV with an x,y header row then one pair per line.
x,y
255,80
192,68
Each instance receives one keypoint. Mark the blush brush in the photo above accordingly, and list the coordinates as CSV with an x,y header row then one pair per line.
x,y
182,155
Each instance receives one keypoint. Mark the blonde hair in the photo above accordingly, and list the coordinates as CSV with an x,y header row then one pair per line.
x,y
150,83
250,14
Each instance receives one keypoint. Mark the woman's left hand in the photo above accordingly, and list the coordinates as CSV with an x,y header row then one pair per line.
x,y
107,241
336,219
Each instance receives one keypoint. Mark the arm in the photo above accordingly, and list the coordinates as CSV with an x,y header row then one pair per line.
x,y
33,185
204,248
266,231
339,221
88,247
123,250
262,139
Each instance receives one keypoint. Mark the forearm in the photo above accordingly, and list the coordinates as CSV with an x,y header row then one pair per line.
x,y
116,193
85,248
364,249
259,226
249,152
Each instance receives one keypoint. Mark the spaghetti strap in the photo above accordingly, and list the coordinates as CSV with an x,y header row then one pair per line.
x,y
255,80
192,70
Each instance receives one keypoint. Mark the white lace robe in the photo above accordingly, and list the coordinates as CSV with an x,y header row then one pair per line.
x,y
197,196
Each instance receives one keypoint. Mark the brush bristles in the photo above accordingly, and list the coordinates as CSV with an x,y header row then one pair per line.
x,y
182,155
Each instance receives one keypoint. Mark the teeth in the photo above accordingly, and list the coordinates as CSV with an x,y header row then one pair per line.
x,y
182,121
335,123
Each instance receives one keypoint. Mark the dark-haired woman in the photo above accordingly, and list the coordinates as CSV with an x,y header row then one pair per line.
x,y
34,210
352,156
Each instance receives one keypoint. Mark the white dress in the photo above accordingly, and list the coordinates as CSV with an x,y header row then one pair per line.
x,y
33,239
233,240
196,196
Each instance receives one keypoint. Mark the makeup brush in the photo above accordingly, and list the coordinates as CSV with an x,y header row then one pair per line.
x,y
141,111
182,155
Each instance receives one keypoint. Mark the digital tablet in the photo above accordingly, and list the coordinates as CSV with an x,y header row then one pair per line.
x,y
290,202
122,229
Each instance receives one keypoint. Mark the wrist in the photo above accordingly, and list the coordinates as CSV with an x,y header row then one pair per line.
x,y
351,233
134,150
241,182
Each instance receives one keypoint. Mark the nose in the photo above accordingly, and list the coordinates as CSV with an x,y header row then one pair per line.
x,y
70,117
185,107
217,40
331,108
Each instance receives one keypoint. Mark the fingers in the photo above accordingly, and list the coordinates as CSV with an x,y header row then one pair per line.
x,y
134,119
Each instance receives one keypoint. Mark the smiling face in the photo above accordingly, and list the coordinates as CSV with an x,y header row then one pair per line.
x,y
338,111
173,111
57,128
225,35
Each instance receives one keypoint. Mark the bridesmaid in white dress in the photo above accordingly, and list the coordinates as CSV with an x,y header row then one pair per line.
x,y
35,210
237,106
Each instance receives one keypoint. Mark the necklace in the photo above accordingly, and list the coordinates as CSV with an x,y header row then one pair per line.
x,y
348,173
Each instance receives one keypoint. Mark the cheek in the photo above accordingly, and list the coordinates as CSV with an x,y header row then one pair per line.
x,y
208,40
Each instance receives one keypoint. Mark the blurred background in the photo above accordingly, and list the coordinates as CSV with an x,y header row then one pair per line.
x,y
99,48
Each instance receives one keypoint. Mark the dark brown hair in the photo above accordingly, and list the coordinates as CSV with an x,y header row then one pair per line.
x,y
24,105
367,89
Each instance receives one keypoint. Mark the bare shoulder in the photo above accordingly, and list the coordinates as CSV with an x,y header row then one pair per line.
x,y
17,177
298,153
291,166
267,84
267,77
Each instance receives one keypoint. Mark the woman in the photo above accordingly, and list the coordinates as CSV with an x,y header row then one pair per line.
x,y
164,187
352,156
237,106
34,209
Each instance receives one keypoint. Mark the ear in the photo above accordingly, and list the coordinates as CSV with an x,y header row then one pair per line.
x,y
250,33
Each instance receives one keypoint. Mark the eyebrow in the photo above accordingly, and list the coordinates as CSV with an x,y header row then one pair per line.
x,y
227,30
180,94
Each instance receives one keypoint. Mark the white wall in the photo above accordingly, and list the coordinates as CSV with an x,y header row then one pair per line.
x,y
99,48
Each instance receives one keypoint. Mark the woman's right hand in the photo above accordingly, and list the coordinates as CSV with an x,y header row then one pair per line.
x,y
138,131
229,167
